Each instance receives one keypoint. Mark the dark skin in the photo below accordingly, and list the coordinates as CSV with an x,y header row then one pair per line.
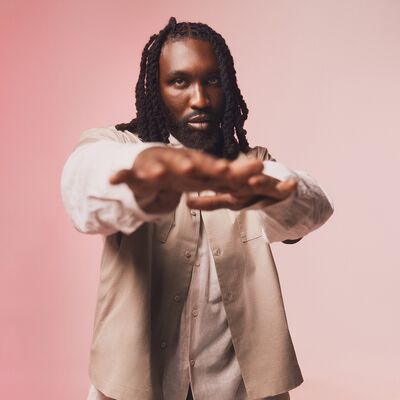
x,y
190,87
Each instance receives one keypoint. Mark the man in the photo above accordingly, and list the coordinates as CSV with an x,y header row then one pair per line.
x,y
189,303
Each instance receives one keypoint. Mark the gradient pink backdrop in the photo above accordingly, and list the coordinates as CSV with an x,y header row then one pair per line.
x,y
321,79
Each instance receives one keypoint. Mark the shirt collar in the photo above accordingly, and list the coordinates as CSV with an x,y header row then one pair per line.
x,y
174,142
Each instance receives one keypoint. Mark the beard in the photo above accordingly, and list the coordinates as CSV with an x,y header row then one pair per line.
x,y
210,141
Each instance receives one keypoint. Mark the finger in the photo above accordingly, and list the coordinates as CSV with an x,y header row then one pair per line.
x,y
206,174
189,170
122,176
241,170
272,187
210,203
144,176
207,166
286,187
262,180
193,163
151,173
205,171
229,178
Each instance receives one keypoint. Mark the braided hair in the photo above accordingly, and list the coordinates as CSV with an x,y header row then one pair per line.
x,y
150,123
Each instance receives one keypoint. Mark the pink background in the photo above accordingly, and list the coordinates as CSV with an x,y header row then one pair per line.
x,y
321,79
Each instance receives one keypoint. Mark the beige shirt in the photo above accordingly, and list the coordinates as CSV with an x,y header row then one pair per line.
x,y
204,355
201,350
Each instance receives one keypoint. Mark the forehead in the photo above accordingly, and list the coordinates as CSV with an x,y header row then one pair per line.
x,y
189,55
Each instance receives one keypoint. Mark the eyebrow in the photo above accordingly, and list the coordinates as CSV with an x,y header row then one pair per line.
x,y
178,72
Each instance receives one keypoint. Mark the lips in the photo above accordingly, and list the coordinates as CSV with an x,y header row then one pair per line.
x,y
200,126
201,123
200,118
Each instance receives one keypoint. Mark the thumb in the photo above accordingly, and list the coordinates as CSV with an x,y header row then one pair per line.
x,y
288,186
122,176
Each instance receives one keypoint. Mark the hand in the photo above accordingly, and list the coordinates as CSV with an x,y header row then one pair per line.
x,y
160,175
258,188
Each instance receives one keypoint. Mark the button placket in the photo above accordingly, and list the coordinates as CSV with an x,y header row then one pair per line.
x,y
192,301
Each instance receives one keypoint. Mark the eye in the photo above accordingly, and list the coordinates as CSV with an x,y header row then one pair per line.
x,y
179,82
214,81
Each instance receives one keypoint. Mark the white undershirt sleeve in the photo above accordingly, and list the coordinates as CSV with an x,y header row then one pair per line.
x,y
306,209
92,203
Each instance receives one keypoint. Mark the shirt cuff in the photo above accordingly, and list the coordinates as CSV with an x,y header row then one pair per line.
x,y
123,156
275,217
93,203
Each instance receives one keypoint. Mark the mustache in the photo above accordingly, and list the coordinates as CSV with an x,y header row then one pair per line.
x,y
208,115
181,125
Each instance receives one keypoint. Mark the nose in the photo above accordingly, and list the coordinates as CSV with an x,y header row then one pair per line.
x,y
199,97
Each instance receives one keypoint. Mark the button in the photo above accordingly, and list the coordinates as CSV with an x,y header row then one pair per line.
x,y
163,345
187,254
243,235
192,362
217,252
193,213
177,298
197,264
195,312
228,296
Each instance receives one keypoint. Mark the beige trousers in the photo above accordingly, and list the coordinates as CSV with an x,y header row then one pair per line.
x,y
94,394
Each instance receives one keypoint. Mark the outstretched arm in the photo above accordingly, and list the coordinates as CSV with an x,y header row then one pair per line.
x,y
291,204
110,185
306,209
92,203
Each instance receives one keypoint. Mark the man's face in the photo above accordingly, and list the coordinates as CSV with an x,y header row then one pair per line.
x,y
190,89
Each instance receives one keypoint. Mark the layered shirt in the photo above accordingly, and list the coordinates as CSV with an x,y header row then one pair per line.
x,y
200,352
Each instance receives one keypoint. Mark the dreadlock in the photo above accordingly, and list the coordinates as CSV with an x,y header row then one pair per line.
x,y
150,123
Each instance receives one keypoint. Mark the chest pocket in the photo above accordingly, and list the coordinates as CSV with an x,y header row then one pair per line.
x,y
248,224
163,227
